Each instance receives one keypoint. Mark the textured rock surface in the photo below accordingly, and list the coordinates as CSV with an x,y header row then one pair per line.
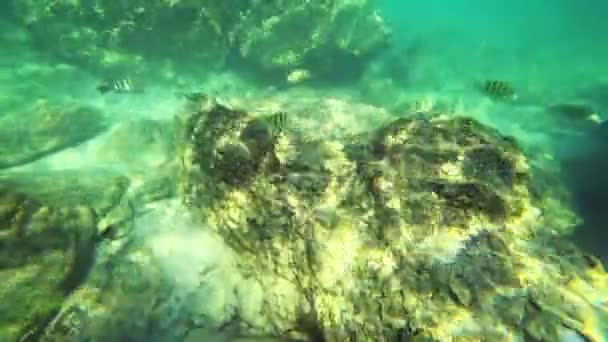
x,y
102,181
370,230
317,35
170,275
424,227
45,253
117,174
109,194
115,36
274,35
96,189
44,128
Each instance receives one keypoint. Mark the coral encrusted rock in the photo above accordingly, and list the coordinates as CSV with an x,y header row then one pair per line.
x,y
44,255
422,229
114,38
44,127
321,36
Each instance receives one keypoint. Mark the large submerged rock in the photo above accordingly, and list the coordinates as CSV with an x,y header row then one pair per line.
x,y
43,128
423,228
121,37
113,286
169,275
322,36
380,229
45,252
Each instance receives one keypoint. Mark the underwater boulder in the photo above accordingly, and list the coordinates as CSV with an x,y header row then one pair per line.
x,y
422,228
43,128
45,253
100,190
114,38
331,39
169,276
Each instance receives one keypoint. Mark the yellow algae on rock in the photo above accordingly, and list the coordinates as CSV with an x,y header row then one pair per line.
x,y
45,251
424,227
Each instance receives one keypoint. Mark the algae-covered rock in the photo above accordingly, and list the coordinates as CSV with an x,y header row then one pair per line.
x,y
114,37
128,37
423,228
321,36
170,275
100,190
106,192
45,252
43,128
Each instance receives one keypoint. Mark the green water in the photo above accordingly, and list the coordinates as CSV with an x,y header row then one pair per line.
x,y
100,239
552,52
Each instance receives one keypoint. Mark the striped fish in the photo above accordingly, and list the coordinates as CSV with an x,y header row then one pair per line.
x,y
499,89
119,86
196,96
278,122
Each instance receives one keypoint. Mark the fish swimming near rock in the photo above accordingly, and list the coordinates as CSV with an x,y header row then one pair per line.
x,y
499,90
122,86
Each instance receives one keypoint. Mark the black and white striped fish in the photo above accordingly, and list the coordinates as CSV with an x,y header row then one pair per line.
x,y
277,122
499,90
119,86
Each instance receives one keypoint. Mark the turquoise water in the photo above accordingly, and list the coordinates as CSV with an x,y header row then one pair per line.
x,y
552,52
397,198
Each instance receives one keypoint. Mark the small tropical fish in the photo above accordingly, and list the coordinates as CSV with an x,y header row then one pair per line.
x,y
297,76
278,121
196,96
499,89
121,86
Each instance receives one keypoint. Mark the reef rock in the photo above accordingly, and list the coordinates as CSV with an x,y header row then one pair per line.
x,y
325,37
423,228
44,128
168,276
114,37
100,190
45,252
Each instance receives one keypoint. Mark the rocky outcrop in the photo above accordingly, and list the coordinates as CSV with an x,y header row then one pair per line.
x,y
276,36
45,252
43,127
423,228
168,275
414,228
326,37
107,191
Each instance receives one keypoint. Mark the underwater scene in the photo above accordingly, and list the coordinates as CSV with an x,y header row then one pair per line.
x,y
303,170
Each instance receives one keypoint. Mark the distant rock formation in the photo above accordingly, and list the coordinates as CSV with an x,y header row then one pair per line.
x,y
273,36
